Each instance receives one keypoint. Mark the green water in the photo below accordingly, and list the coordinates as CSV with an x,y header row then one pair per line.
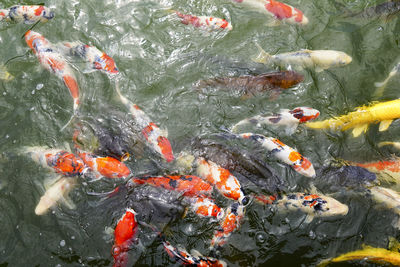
x,y
160,60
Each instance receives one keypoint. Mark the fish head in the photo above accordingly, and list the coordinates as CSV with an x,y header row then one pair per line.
x,y
304,20
165,148
283,79
344,59
304,114
328,206
45,13
30,36
110,65
126,228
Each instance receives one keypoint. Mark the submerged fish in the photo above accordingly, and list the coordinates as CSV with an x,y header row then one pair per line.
x,y
97,60
4,74
26,14
155,138
204,22
104,166
387,196
55,193
124,233
359,120
284,153
368,254
388,9
285,117
54,62
387,171
279,11
312,204
193,259
381,85
318,59
251,85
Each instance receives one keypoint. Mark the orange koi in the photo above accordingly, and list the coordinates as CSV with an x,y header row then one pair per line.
x,y
105,166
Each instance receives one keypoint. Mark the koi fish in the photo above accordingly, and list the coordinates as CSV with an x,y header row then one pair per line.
x,y
285,117
387,196
189,185
156,138
57,192
381,85
318,59
54,62
204,22
388,9
360,119
284,153
224,181
124,233
204,206
4,74
389,143
96,59
26,14
105,166
251,85
386,170
194,259
312,204
279,11
233,217
59,161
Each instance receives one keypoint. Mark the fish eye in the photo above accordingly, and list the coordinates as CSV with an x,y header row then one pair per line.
x,y
125,156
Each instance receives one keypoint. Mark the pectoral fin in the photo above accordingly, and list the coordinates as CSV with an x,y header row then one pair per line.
x,y
360,129
384,125
309,219
68,203
273,23
318,69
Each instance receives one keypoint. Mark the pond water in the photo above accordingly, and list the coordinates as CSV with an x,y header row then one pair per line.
x,y
160,60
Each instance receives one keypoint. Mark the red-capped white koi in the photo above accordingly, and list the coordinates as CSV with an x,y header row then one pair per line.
x,y
124,233
205,22
204,206
227,184
54,62
285,117
98,60
193,259
281,12
26,14
284,153
57,160
104,166
155,138
233,217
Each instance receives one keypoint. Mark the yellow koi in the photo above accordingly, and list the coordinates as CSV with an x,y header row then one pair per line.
x,y
4,74
360,119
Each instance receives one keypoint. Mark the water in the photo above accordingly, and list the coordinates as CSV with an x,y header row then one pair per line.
x,y
160,60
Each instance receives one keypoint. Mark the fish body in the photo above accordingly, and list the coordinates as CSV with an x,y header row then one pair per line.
x,y
227,184
233,217
318,59
105,166
97,59
204,22
368,254
54,62
284,153
26,14
204,206
279,11
155,138
386,170
290,119
386,196
56,193
194,259
4,74
124,233
311,204
58,160
189,185
381,85
359,120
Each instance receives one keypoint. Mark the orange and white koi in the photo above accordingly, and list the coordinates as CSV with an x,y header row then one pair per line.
x,y
388,170
189,185
193,259
205,22
104,166
97,59
284,153
60,161
233,217
280,11
124,233
314,205
57,192
54,62
26,14
285,117
227,184
206,207
155,138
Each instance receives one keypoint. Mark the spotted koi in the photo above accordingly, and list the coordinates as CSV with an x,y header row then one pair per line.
x,y
284,153
205,22
104,166
204,206
124,233
54,62
26,14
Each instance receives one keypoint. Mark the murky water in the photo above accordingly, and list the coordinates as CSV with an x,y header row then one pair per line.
x,y
160,61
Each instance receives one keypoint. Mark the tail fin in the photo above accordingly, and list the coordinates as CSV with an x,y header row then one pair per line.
x,y
123,99
319,124
262,57
394,144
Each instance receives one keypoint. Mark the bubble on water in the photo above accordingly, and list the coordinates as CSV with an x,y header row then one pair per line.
x,y
32,109
7,136
40,234
14,141
4,93
312,235
62,243
39,86
261,237
33,92
73,237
